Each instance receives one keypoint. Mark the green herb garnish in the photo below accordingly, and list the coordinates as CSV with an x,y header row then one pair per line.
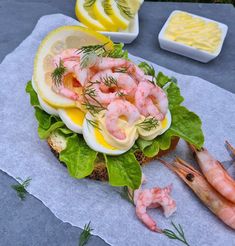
x,y
85,235
172,235
89,3
91,93
21,188
58,73
148,124
90,54
121,70
123,6
109,81
93,123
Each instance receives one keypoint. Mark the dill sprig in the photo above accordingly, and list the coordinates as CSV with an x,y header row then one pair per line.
x,y
172,235
89,3
89,92
93,123
121,70
58,73
148,124
21,188
90,54
85,235
109,81
123,6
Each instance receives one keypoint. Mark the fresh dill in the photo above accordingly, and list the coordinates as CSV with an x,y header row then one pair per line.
x,y
107,7
90,93
121,70
109,81
58,73
85,235
148,124
93,123
21,188
89,3
124,8
90,54
172,235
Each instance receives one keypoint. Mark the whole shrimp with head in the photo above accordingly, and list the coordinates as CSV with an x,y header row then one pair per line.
x,y
221,207
215,173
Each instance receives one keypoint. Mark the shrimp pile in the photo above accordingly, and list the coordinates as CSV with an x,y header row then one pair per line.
x,y
113,84
216,188
153,198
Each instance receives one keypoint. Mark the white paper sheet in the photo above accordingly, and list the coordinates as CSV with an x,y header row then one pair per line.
x,y
79,201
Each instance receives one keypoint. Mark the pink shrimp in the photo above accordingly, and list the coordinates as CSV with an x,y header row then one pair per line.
x,y
151,100
116,109
153,198
221,207
115,63
69,54
215,173
63,91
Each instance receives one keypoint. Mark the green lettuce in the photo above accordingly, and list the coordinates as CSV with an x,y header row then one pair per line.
x,y
124,170
46,123
78,157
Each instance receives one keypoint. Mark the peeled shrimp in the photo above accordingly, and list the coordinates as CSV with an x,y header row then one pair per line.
x,y
215,173
116,109
221,207
151,100
106,94
153,198
114,63
69,54
63,91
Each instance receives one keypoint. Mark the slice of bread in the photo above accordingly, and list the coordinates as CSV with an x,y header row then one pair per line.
x,y
57,143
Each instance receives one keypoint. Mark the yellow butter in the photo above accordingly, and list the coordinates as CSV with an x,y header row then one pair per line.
x,y
194,31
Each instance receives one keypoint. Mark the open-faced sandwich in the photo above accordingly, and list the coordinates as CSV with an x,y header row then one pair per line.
x,y
102,114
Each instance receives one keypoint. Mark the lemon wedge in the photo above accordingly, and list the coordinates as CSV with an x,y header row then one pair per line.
x,y
103,17
130,6
84,12
112,9
54,43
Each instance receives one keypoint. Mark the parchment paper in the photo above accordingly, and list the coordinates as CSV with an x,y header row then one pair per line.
x,y
79,201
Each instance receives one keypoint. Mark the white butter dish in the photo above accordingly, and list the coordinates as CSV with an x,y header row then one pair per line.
x,y
125,36
189,51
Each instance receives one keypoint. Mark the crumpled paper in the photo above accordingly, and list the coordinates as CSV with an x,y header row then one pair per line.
x,y
79,201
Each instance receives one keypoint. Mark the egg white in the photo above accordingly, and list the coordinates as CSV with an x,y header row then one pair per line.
x,y
149,135
69,122
90,138
45,106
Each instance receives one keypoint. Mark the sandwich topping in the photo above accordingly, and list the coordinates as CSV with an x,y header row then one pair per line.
x,y
116,102
100,107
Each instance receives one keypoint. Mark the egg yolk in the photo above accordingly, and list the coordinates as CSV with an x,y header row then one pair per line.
x,y
164,123
76,115
100,139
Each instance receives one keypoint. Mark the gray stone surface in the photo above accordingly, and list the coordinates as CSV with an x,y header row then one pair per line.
x,y
30,222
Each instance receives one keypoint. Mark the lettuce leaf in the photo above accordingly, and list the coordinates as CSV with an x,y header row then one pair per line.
x,y
78,157
124,170
118,52
148,70
46,123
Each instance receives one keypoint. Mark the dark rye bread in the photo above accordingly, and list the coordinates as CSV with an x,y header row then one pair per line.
x,y
57,143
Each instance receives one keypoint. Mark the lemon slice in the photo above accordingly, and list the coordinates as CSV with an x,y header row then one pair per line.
x,y
103,17
131,6
84,12
54,43
115,14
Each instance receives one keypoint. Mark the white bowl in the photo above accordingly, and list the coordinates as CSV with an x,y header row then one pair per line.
x,y
189,51
125,36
